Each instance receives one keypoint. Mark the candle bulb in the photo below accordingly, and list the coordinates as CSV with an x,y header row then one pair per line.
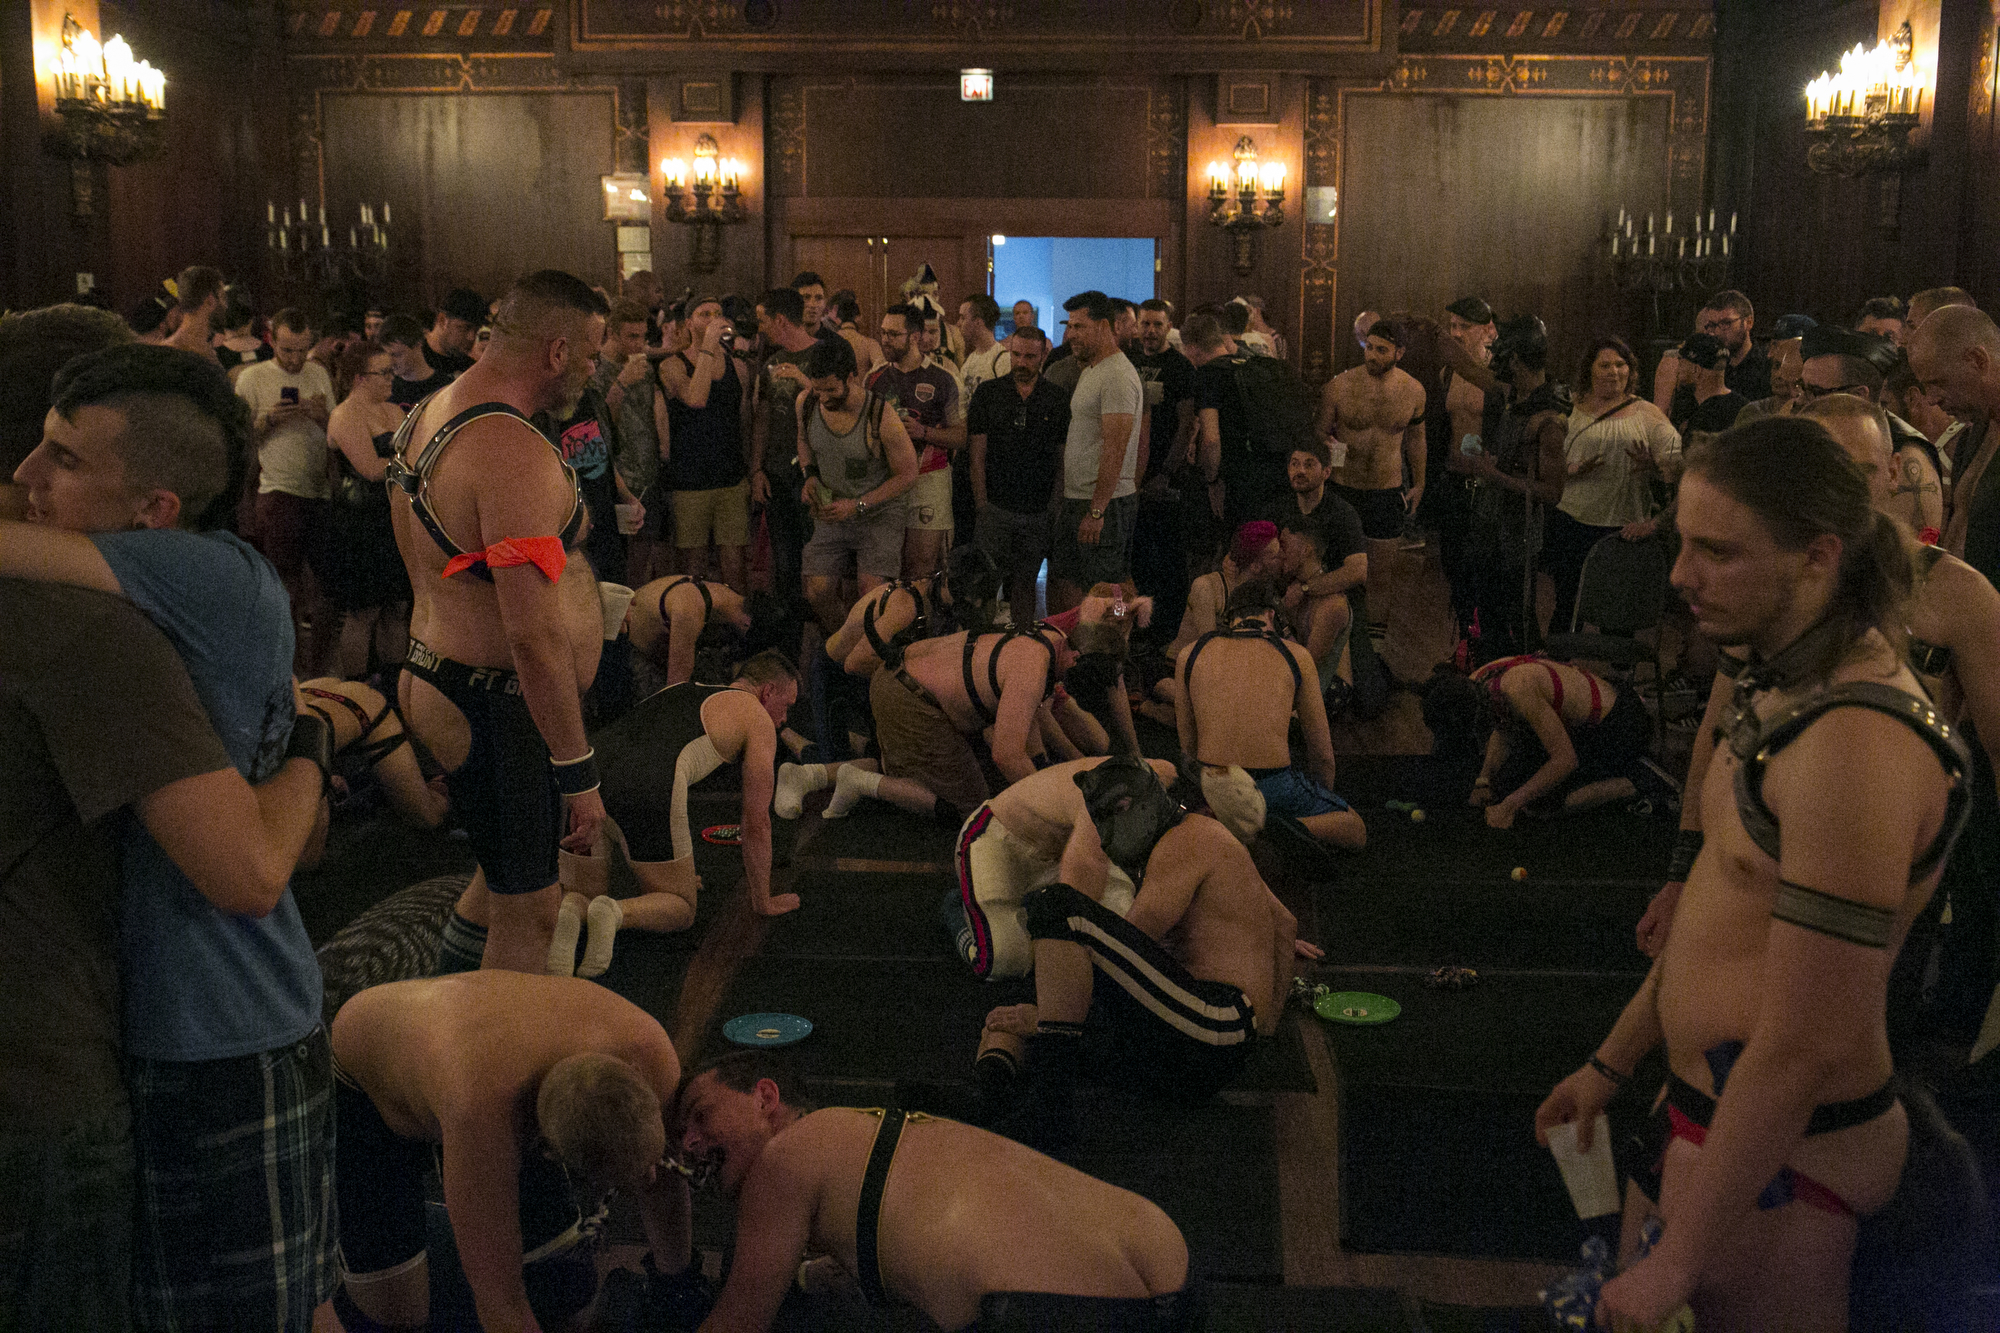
x,y
353,239
302,210
325,236
288,215
1670,222
1621,218
1725,247
1711,219
1614,245
1684,248
1649,245
270,212
1649,224
386,219
1732,231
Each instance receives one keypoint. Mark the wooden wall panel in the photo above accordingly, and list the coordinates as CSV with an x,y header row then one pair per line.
x,y
494,184
1447,195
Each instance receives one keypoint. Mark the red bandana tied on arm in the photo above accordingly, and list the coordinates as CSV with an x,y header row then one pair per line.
x,y
544,553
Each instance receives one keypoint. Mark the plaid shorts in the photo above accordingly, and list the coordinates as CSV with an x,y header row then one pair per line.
x,y
235,1220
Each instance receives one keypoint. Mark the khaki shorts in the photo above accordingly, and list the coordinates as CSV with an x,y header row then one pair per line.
x,y
928,502
723,513
920,743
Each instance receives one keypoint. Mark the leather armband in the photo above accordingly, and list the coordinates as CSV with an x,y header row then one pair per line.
x,y
576,776
1687,846
1842,918
312,738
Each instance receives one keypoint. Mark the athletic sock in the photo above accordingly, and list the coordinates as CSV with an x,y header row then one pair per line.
x,y
851,785
605,916
562,944
462,947
795,782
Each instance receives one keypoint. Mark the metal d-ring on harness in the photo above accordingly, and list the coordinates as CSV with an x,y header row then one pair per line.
x,y
413,476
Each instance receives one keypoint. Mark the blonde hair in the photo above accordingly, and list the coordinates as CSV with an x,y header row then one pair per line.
x,y
594,1110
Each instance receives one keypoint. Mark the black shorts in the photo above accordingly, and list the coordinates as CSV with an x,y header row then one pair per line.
x,y
1381,510
379,1181
1182,1037
504,795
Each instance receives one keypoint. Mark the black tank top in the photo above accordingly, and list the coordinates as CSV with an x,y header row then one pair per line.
x,y
707,450
635,760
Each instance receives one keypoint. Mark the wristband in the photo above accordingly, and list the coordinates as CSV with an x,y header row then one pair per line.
x,y
1687,846
576,776
312,738
1620,1079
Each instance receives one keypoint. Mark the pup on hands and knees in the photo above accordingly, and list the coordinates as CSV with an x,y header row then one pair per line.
x,y
1783,1127
539,1095
977,1231
686,731
506,624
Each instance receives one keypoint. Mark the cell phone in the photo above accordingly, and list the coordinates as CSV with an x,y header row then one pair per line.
x,y
289,394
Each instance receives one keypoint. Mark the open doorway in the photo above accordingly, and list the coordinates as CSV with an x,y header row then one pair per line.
x,y
1047,270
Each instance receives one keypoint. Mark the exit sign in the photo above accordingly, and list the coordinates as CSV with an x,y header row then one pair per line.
x,y
975,85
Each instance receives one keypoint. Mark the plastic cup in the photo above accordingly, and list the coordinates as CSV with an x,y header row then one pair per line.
x,y
615,598
1590,1177
631,517
1338,450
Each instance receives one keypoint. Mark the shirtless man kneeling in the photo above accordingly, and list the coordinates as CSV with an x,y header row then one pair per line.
x,y
1200,963
1372,418
650,757
973,1229
930,710
668,616
535,1082
1237,715
486,515
1016,843
1783,1127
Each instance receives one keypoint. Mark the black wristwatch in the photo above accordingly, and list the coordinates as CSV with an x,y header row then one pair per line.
x,y
312,738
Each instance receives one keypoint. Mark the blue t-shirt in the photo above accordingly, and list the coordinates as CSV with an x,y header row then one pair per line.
x,y
201,983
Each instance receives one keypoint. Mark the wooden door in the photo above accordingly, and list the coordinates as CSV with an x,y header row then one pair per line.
x,y
844,261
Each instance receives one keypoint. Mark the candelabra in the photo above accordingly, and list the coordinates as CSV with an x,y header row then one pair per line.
x,y
1258,200
309,251
113,109
1860,121
1657,262
705,200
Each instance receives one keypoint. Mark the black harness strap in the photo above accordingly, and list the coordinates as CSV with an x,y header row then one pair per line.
x,y
993,668
412,476
370,753
1913,711
707,598
891,650
1269,636
868,1213
1927,658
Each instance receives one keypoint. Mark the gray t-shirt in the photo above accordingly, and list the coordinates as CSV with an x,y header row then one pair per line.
x,y
1109,388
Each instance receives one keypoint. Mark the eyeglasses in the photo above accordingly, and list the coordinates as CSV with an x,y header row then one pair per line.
x,y
385,373
1811,391
1718,325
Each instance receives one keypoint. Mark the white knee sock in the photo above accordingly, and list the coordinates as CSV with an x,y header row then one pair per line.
x,y
795,781
605,917
562,946
853,783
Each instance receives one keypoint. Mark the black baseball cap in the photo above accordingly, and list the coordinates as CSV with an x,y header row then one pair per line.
x,y
1471,309
466,304
1704,350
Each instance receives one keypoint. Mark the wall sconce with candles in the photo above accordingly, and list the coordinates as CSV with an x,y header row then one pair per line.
x,y
706,198
1860,120
1648,260
1245,200
113,108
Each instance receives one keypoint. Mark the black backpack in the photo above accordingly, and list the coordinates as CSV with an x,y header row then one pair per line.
x,y
1276,403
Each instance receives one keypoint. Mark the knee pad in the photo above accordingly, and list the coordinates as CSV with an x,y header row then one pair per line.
x,y
353,1321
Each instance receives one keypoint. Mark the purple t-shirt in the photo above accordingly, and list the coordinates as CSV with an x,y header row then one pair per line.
x,y
927,394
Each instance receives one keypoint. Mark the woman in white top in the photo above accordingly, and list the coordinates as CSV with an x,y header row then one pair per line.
x,y
1618,442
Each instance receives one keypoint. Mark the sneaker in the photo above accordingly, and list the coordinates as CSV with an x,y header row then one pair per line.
x,y
1413,537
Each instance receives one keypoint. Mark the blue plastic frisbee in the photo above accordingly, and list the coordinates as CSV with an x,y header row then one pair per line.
x,y
767,1029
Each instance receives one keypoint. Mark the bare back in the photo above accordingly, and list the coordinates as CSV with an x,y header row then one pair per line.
x,y
965,1213
1242,696
1043,809
449,1049
1368,414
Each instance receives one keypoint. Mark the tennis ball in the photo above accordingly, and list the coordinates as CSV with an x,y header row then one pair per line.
x,y
1416,816
1520,872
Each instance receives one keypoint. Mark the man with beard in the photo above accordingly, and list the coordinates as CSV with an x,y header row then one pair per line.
x,y
1728,317
973,1229
925,398
1017,424
1470,329
502,614
1372,417
1783,1127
